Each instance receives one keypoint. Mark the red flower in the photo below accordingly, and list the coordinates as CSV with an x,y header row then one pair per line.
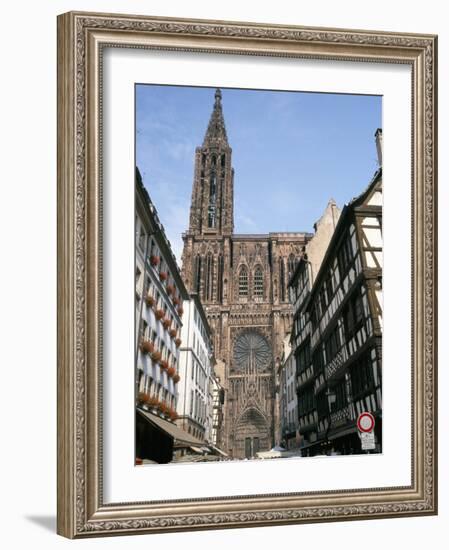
x,y
164,364
176,378
153,401
159,314
171,371
154,260
173,332
170,289
150,301
166,323
146,346
142,397
163,276
163,407
178,342
156,356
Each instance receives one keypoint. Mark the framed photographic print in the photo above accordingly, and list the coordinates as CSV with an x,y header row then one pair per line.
x,y
247,274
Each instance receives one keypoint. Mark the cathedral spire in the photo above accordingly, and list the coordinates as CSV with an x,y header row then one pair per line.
x,y
216,130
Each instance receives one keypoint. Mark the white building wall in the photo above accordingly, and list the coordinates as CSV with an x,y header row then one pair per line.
x,y
156,380
195,403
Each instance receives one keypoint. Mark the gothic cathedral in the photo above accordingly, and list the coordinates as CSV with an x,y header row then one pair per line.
x,y
242,283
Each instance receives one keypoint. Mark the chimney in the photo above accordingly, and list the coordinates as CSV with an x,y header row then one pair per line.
x,y
378,136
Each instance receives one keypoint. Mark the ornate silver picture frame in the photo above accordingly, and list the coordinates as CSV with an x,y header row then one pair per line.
x,y
82,41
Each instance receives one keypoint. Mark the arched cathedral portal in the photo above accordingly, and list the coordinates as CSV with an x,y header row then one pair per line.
x,y
241,281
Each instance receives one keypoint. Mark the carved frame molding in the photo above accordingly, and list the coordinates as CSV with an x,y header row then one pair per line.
x,y
81,38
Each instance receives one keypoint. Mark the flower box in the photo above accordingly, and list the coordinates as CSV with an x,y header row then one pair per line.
x,y
150,301
173,332
163,275
146,346
173,415
153,402
171,371
142,397
180,311
159,314
164,408
164,364
170,289
156,356
178,342
176,378
154,260
166,323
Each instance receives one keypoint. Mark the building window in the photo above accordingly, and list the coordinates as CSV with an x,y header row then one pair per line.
x,y
306,400
353,314
220,279
152,247
211,217
345,255
318,360
212,188
197,282
340,396
258,282
144,328
142,237
281,280
362,379
243,282
333,345
303,357
322,404
208,283
291,264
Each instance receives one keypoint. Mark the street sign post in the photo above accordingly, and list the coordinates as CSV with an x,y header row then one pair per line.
x,y
368,441
365,425
365,422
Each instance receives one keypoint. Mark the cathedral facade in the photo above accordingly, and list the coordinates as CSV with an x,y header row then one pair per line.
x,y
242,283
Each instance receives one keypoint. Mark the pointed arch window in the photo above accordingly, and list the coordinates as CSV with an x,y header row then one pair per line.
x,y
211,219
209,281
258,282
220,279
197,281
281,280
291,265
213,188
243,282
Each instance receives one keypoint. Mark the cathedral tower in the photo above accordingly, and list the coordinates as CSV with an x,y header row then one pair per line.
x,y
242,283
211,213
212,208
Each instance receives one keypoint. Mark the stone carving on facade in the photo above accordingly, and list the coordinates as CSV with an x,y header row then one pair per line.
x,y
211,263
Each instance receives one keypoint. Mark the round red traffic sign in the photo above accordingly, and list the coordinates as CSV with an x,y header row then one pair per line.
x,y
365,422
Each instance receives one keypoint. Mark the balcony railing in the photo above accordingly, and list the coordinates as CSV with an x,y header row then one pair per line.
x,y
340,417
335,366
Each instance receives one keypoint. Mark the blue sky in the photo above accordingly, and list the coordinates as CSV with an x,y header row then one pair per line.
x,y
291,152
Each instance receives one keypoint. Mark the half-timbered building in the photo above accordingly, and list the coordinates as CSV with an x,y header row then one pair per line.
x,y
337,332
